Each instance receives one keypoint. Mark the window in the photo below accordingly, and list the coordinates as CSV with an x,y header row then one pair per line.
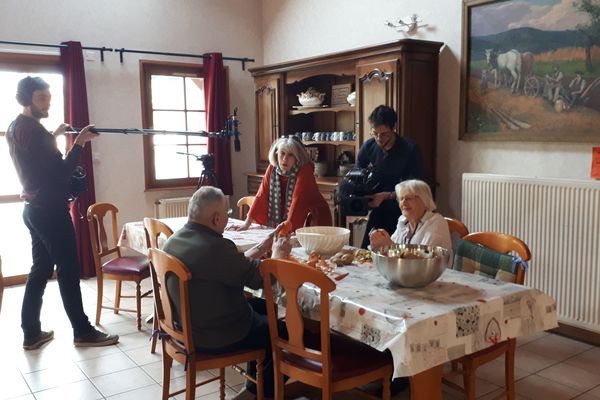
x,y
15,243
172,99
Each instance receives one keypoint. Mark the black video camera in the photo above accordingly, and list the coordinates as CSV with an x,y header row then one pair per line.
x,y
351,191
208,162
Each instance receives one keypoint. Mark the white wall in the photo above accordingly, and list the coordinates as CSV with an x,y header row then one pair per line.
x,y
298,29
232,27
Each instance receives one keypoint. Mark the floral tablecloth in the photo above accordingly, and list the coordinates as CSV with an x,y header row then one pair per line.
x,y
458,314
133,235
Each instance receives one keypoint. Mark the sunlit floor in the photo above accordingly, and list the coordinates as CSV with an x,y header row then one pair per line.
x,y
547,366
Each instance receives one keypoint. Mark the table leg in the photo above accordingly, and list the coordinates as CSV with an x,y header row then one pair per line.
x,y
427,385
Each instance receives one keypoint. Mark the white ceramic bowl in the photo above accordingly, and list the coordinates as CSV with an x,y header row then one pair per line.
x,y
323,239
310,101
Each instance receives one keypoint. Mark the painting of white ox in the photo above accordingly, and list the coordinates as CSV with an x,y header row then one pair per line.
x,y
531,70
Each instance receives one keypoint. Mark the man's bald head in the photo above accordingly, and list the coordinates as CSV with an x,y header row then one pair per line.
x,y
208,206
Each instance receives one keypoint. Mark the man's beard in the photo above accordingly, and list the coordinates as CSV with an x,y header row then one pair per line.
x,y
38,112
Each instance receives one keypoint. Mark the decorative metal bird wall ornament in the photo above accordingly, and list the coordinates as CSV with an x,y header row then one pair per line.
x,y
410,27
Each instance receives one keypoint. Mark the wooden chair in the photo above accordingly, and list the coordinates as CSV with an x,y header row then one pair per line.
x,y
154,229
501,243
457,227
177,341
329,361
119,268
244,201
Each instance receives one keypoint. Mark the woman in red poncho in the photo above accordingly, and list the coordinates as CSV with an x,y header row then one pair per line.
x,y
288,191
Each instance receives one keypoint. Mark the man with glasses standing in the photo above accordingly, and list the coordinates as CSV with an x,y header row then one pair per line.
x,y
394,159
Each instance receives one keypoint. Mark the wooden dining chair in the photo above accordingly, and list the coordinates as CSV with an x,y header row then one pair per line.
x,y
502,243
154,230
118,268
244,201
177,341
332,362
457,227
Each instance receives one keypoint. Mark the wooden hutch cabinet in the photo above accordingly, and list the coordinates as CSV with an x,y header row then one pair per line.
x,y
401,74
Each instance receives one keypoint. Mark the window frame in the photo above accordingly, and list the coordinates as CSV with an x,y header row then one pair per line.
x,y
147,69
33,63
27,62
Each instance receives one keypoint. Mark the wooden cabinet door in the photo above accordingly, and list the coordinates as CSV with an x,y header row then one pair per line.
x,y
375,85
267,97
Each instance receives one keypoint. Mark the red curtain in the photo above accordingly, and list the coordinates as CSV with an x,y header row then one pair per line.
x,y
76,114
215,94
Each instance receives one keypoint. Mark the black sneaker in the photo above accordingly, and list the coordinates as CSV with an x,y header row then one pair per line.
x,y
38,341
95,338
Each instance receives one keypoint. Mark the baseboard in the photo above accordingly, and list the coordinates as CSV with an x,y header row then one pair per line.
x,y
580,334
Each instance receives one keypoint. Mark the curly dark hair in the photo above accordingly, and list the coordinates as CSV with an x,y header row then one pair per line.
x,y
27,86
383,115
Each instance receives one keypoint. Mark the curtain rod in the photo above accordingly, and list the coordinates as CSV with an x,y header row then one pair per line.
x,y
102,49
58,46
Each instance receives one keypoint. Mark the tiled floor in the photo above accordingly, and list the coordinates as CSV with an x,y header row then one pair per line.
x,y
547,366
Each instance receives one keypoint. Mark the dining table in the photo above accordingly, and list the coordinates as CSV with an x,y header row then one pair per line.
x,y
423,328
133,234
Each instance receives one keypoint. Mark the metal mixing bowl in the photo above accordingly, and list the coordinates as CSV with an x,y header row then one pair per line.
x,y
411,265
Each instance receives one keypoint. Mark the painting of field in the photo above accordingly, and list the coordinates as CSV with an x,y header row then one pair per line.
x,y
534,75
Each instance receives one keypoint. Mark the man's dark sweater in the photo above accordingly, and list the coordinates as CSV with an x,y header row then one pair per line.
x,y
403,161
219,311
42,170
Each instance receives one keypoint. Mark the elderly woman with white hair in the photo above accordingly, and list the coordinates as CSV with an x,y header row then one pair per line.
x,y
419,223
288,191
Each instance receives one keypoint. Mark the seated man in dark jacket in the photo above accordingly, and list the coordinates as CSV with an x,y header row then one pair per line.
x,y
223,320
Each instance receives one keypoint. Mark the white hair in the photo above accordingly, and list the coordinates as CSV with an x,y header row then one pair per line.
x,y
417,188
203,202
291,145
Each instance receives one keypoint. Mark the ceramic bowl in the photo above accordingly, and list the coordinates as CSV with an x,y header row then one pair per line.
x,y
323,239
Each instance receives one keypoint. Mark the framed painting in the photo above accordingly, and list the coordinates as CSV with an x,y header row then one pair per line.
x,y
530,70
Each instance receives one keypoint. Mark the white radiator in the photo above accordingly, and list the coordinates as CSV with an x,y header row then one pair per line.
x,y
559,219
170,208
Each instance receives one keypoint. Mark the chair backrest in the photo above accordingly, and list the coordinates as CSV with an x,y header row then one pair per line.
x,y
244,201
154,228
163,265
291,276
98,237
457,227
503,243
311,218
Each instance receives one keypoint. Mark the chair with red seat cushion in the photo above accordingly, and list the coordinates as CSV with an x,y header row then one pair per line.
x,y
329,361
119,268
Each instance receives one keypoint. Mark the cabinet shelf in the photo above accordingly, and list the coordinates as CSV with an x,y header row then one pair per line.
x,y
310,110
332,142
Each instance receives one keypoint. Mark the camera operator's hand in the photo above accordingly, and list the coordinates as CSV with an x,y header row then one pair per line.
x,y
62,128
380,238
378,198
85,136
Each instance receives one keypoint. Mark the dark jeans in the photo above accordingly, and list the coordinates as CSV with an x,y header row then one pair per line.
x,y
52,243
383,217
257,338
